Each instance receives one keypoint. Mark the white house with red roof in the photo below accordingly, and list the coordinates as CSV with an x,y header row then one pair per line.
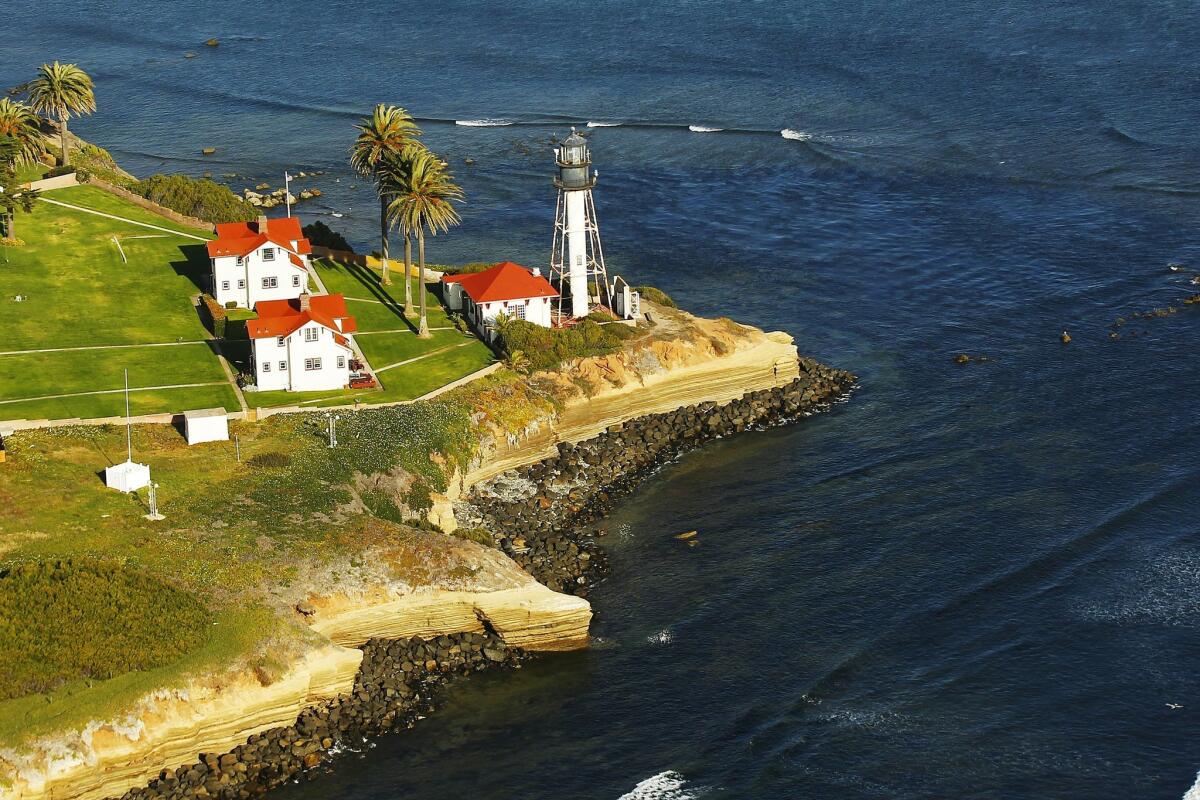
x,y
256,261
506,288
302,344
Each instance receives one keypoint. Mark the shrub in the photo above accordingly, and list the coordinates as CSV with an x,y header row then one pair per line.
x,y
270,459
61,169
94,619
469,269
322,235
216,315
546,348
477,535
656,295
202,198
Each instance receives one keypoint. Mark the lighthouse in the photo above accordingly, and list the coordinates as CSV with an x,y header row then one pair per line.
x,y
576,258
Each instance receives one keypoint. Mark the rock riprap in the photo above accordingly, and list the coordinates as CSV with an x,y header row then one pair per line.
x,y
540,514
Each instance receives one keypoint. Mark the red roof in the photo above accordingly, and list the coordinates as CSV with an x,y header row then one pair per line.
x,y
240,238
505,281
283,317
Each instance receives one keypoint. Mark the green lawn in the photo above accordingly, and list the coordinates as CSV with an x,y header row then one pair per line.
x,y
380,308
27,173
76,291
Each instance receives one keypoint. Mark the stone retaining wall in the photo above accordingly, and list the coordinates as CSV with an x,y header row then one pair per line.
x,y
398,682
537,514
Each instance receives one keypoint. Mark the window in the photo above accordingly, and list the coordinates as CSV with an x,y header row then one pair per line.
x,y
341,362
241,261
519,311
241,284
295,280
282,366
312,364
279,342
271,282
311,334
266,366
224,286
268,254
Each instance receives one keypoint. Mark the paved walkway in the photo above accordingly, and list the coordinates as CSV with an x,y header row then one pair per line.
x,y
121,219
114,391
402,330
99,347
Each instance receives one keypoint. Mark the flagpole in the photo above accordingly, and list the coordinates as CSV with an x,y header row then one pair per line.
x,y
287,191
128,422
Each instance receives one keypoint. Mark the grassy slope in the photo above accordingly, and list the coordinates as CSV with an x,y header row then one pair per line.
x,y
79,293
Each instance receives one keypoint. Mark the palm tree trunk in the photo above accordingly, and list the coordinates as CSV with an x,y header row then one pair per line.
x,y
7,232
423,328
408,306
66,155
383,245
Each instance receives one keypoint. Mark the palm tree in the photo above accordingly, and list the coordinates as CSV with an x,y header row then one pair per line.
x,y
423,202
393,176
12,196
387,132
19,122
61,90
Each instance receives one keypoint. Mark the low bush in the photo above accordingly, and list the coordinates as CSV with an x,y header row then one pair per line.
x,y
202,198
469,269
656,295
321,235
84,619
270,459
61,169
546,348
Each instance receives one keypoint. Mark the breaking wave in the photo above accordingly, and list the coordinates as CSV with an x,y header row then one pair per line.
x,y
799,136
663,786
593,124
483,123
703,129
662,637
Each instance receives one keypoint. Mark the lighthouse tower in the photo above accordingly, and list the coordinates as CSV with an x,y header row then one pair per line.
x,y
576,258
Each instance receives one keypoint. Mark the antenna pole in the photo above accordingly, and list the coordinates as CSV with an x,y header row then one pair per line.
x,y
128,422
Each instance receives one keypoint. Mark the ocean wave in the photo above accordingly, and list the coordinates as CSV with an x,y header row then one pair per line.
x,y
666,785
592,124
483,123
704,129
662,637
1194,792
799,136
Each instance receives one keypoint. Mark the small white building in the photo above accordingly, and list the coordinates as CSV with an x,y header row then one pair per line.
x,y
506,288
206,425
128,476
302,345
256,261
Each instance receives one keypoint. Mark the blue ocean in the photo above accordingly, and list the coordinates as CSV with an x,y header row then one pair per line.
x,y
969,581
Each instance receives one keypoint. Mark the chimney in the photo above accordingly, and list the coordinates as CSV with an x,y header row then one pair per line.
x,y
262,223
305,301
537,272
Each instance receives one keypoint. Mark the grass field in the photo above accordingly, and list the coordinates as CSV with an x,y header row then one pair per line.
x,y
387,339
77,292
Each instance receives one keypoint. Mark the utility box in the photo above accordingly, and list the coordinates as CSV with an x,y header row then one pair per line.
x,y
128,476
206,425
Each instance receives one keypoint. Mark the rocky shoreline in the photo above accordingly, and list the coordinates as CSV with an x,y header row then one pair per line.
x,y
541,516
398,682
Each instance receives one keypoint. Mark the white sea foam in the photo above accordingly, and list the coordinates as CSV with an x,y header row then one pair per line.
x,y
663,786
1194,792
662,637
483,123
703,129
592,124
799,136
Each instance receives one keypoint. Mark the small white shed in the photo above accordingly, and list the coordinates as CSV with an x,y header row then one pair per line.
x,y
128,476
206,425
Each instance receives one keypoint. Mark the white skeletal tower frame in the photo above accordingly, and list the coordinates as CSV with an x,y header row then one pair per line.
x,y
576,256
